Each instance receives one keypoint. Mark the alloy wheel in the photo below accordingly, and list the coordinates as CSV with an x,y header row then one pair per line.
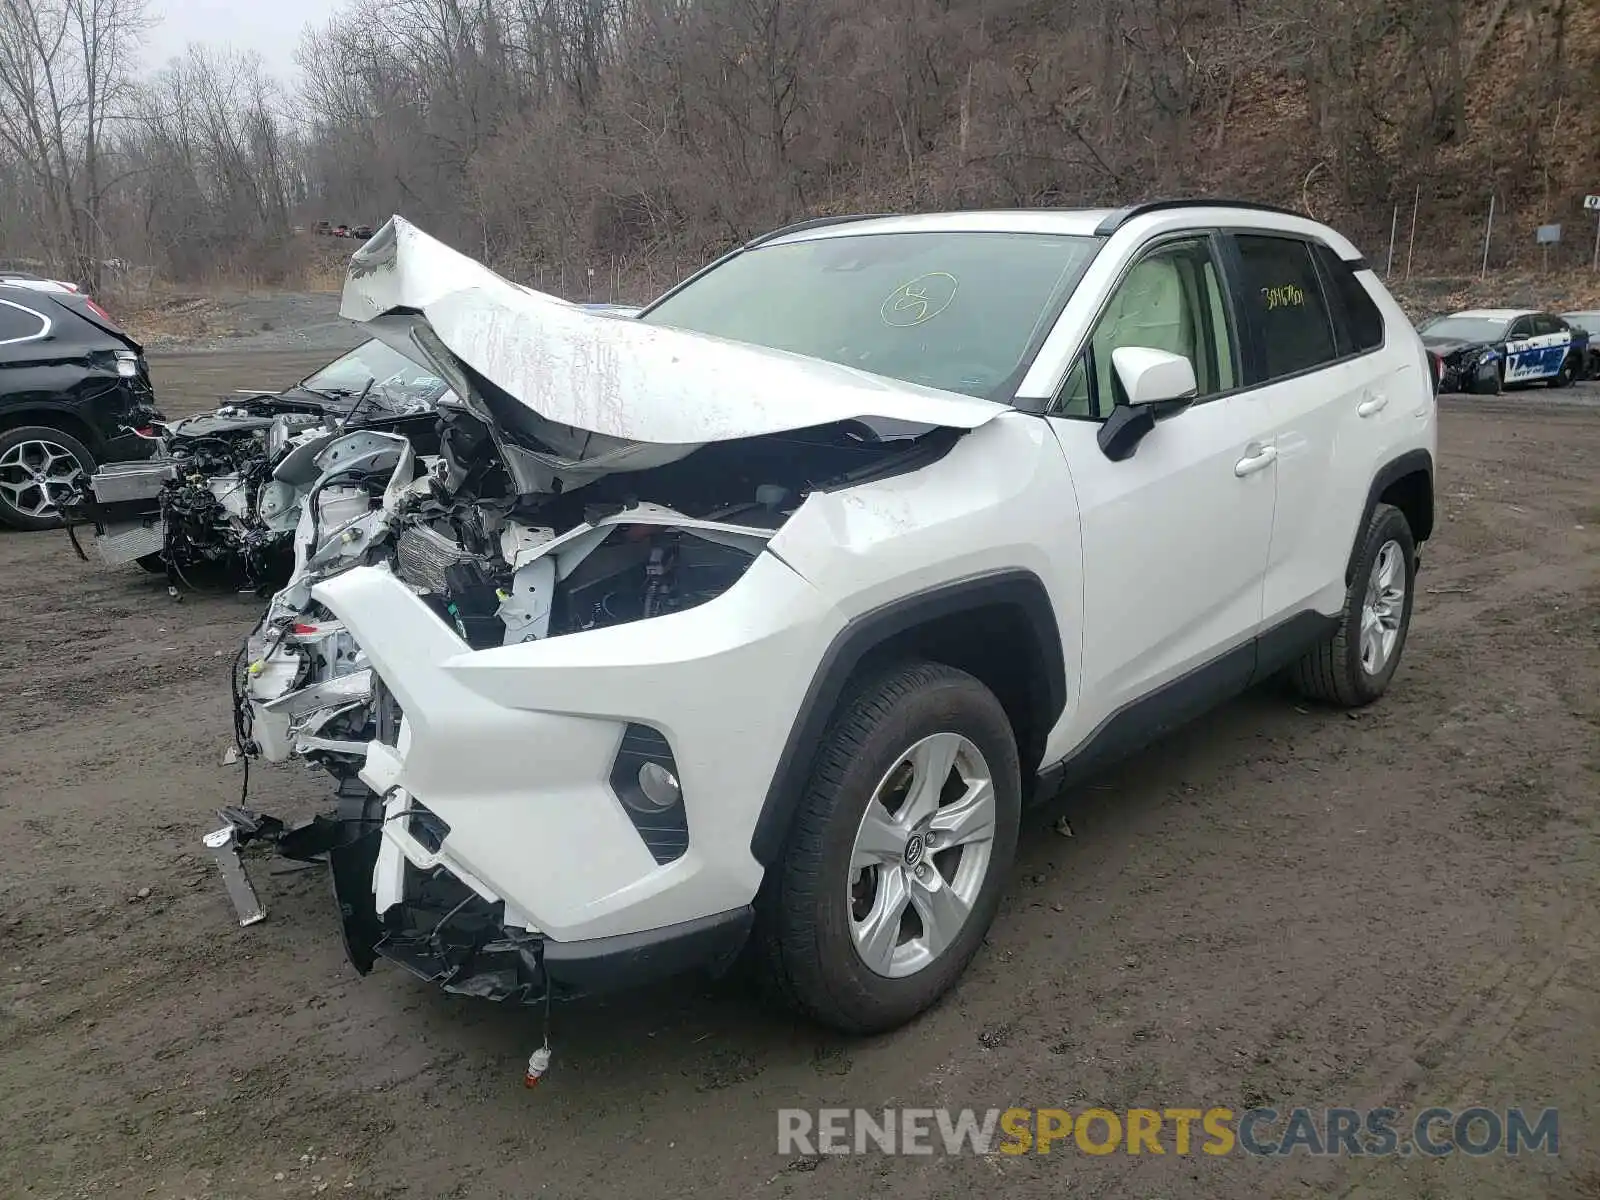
x,y
1383,608
37,477
921,855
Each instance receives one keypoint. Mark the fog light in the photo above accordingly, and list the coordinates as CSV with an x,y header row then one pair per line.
x,y
644,777
659,786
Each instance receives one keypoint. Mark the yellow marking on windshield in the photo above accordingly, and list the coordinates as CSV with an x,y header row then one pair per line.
x,y
919,300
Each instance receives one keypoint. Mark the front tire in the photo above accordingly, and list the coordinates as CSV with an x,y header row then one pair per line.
x,y
39,469
1567,375
1352,667
895,865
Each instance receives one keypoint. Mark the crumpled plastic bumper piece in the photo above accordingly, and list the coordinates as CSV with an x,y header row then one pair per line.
x,y
513,747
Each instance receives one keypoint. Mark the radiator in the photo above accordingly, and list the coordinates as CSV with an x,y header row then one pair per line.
x,y
124,543
425,556
117,483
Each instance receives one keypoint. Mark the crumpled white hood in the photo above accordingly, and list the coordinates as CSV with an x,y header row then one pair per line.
x,y
621,378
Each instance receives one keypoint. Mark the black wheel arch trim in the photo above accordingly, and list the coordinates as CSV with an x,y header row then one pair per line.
x,y
1017,589
1395,469
63,418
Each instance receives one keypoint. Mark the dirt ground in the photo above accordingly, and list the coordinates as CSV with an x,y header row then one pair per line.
x,y
1281,905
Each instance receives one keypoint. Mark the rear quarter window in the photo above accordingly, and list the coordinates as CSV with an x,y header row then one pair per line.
x,y
1359,322
18,323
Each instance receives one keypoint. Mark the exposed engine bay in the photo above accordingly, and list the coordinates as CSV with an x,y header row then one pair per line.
x,y
501,568
216,506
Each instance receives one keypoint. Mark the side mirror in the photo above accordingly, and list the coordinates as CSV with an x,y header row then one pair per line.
x,y
1153,376
1156,384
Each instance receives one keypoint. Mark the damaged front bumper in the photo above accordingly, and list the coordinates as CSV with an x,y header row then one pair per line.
x,y
530,754
444,932
486,846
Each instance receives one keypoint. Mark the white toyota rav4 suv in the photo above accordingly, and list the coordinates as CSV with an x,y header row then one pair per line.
x,y
754,623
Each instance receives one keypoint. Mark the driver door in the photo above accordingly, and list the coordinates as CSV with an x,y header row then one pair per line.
x,y
1175,537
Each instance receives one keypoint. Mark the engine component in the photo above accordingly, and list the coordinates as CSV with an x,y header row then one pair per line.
x,y
425,556
525,611
471,598
643,571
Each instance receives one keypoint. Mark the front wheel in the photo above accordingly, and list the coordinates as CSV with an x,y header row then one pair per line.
x,y
899,854
1354,664
40,468
1567,374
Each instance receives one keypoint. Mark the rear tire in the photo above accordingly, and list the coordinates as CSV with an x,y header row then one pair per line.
x,y
38,468
918,770
1352,667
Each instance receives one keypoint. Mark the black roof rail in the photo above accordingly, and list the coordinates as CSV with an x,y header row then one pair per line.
x,y
813,223
1116,220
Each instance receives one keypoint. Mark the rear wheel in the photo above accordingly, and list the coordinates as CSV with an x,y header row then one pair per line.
x,y
40,468
899,854
1354,664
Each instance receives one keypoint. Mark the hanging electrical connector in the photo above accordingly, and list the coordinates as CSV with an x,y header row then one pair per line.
x,y
538,1063
539,1060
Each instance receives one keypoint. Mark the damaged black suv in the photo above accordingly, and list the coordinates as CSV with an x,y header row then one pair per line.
x,y
74,393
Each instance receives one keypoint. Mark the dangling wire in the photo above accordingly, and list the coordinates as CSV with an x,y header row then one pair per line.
x,y
539,1060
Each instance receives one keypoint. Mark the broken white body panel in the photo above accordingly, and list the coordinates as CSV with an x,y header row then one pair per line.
x,y
621,379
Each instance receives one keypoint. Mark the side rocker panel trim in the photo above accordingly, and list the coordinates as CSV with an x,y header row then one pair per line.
x,y
1179,701
1021,590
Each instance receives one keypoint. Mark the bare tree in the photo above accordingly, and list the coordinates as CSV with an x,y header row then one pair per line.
x,y
638,137
64,74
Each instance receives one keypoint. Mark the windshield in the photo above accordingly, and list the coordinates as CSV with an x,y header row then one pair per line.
x,y
396,380
964,312
1466,329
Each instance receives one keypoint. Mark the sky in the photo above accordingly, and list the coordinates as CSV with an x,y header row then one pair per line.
x,y
270,27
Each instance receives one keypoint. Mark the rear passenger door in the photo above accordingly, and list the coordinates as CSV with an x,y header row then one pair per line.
x,y
1555,339
1316,357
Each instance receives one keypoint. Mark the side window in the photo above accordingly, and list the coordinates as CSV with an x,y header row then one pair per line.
x,y
1522,327
1361,322
1282,295
17,322
1545,323
1171,299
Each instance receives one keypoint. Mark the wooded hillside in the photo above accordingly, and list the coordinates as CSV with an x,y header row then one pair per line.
x,y
644,135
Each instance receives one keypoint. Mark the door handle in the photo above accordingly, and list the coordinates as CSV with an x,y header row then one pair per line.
x,y
1372,405
1256,458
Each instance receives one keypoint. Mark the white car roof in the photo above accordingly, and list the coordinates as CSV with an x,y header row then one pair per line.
x,y
1136,223
1079,222
1496,314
